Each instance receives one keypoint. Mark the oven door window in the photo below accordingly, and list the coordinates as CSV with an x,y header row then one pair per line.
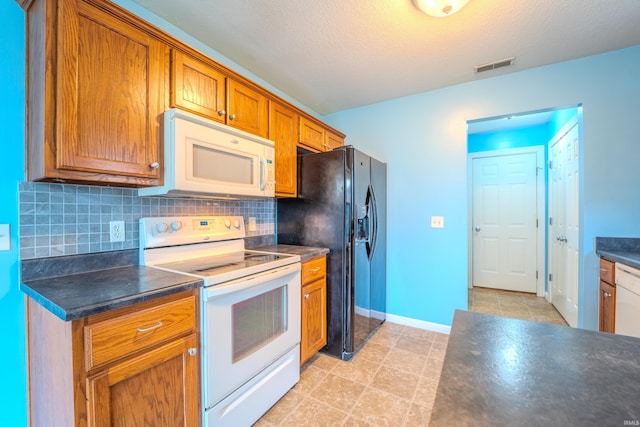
x,y
257,321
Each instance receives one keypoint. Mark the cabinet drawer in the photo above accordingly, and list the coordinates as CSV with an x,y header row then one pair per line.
x,y
607,271
113,338
314,269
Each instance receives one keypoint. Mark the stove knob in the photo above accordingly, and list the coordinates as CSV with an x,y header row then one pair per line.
x,y
227,223
236,224
161,227
176,225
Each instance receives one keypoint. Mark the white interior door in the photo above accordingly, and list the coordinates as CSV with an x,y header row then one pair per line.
x,y
564,224
504,221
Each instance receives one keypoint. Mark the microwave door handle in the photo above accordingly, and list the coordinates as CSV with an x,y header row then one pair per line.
x,y
262,172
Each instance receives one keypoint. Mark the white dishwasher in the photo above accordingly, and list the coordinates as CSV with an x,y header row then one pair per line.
x,y
627,300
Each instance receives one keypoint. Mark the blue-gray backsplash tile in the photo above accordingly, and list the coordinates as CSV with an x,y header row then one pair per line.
x,y
67,219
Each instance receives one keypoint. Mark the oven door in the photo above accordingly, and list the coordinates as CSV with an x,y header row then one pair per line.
x,y
247,324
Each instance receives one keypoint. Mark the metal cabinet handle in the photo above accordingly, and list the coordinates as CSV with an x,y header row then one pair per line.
x,y
315,270
222,112
476,228
306,296
151,328
154,165
193,351
607,294
232,116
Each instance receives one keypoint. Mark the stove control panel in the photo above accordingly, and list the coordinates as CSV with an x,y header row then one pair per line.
x,y
169,231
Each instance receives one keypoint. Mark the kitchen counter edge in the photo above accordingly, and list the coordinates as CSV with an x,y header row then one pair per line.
x,y
305,252
74,293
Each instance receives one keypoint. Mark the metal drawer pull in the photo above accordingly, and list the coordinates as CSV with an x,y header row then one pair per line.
x,y
315,270
306,296
192,351
607,294
151,328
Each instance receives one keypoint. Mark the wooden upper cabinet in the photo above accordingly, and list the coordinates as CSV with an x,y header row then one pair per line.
x,y
283,131
311,134
197,87
97,91
333,140
316,137
200,88
247,109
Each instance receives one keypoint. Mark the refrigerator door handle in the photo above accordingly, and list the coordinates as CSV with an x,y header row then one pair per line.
x,y
373,233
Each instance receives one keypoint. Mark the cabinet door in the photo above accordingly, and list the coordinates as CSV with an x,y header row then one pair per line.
x,y
314,319
248,110
110,95
197,87
158,388
607,307
312,135
283,131
334,141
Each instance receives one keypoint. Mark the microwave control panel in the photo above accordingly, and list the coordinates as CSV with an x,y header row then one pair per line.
x,y
270,181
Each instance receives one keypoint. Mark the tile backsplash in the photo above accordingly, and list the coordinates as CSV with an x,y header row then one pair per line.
x,y
66,219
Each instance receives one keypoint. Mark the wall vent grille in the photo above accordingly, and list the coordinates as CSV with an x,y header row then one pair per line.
x,y
493,65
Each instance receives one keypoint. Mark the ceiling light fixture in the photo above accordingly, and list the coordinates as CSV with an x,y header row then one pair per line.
x,y
440,8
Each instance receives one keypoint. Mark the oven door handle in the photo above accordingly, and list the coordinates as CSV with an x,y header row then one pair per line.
x,y
249,281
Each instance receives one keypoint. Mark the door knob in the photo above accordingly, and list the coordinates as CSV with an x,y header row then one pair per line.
x,y
476,228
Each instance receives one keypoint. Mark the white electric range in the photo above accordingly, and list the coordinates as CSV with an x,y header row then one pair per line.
x,y
250,318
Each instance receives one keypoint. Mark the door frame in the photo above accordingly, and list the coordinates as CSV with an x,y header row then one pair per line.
x,y
541,205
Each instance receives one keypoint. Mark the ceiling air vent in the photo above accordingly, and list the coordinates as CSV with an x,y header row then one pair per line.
x,y
493,65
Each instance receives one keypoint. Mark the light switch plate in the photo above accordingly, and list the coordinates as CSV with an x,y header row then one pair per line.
x,y
5,237
437,222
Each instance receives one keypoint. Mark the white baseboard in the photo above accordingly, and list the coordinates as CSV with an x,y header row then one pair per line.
x,y
420,324
370,313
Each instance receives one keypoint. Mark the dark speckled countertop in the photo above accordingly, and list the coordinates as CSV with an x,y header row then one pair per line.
x,y
305,252
619,249
64,286
508,372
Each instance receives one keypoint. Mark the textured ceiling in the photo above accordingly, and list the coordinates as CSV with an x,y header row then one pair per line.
x,y
333,55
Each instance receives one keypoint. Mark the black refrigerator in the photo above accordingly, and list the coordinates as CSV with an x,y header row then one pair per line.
x,y
341,205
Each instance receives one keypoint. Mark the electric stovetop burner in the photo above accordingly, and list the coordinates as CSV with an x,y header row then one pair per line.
x,y
218,264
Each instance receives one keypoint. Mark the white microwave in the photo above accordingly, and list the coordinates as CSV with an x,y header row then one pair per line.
x,y
203,158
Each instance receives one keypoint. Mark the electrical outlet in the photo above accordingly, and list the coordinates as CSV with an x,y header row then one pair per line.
x,y
252,223
437,222
116,231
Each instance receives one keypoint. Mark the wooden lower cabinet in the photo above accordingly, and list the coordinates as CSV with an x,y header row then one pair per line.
x,y
155,383
314,308
157,388
607,316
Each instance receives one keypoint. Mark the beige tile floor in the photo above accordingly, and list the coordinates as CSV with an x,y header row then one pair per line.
x,y
513,304
393,379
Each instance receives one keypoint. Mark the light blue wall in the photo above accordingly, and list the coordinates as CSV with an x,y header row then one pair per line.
x,y
513,138
423,139
13,404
